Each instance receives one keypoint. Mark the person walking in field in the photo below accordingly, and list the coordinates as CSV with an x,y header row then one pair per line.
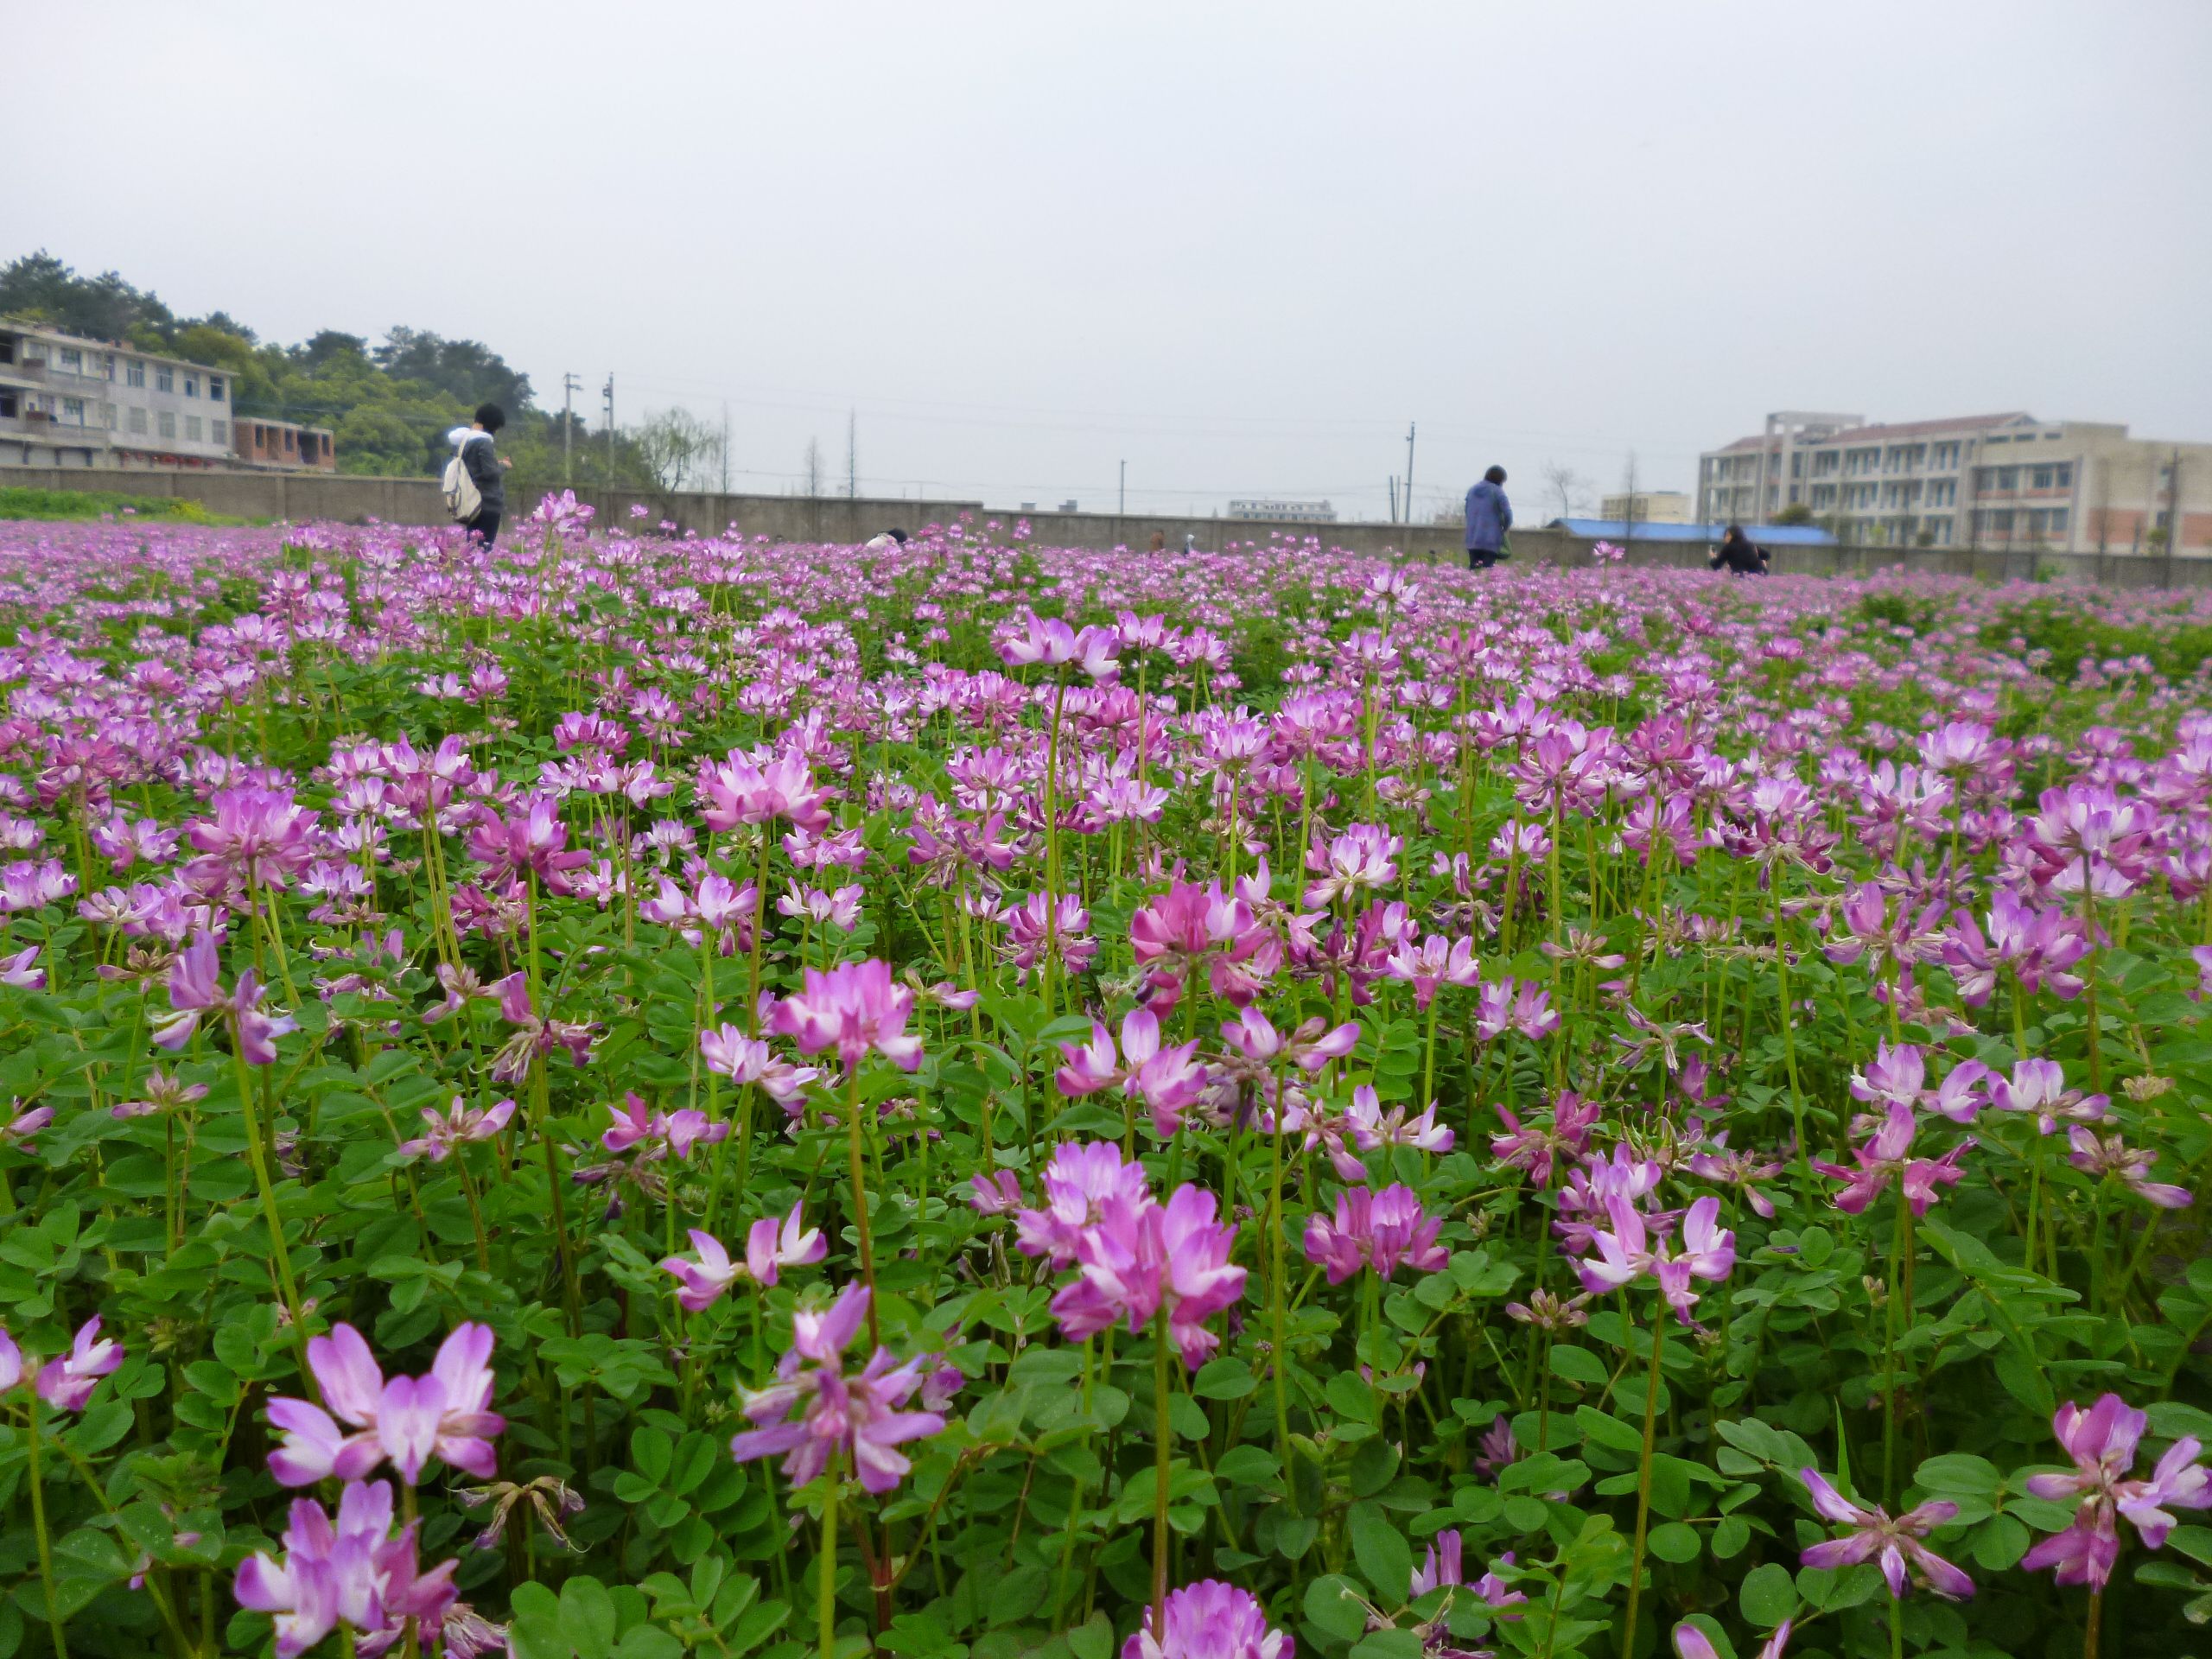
x,y
476,449
1490,515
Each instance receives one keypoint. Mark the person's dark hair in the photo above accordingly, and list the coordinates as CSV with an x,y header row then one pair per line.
x,y
1496,475
1733,533
491,416
899,535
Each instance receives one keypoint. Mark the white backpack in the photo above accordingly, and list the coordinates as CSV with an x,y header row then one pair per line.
x,y
463,500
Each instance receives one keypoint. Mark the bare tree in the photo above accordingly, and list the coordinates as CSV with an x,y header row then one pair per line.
x,y
852,455
678,448
1567,488
813,467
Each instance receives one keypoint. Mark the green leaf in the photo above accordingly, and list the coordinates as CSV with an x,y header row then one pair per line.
x,y
1580,1365
1609,1431
1386,1561
1387,1644
1768,1596
1224,1379
1729,1537
1676,1541
1247,1466
651,1452
1333,1602
1956,1473
587,1617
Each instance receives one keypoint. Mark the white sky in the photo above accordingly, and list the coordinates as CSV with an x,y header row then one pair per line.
x,y
1240,246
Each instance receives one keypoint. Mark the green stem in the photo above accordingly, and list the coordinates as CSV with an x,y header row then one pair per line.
x,y
1644,1478
826,1566
1160,1433
853,1108
38,1527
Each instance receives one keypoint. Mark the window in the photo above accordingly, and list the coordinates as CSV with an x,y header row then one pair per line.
x,y
164,377
2000,520
291,440
73,360
7,348
2058,520
219,430
168,424
2008,478
73,410
137,422
192,432
214,388
107,366
2042,476
7,405
134,373
2065,474
107,415
192,385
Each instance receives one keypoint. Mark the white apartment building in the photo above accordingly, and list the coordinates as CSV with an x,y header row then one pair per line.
x,y
2002,481
70,401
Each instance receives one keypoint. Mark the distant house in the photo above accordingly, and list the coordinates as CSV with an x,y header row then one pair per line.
x,y
285,446
67,401
1647,507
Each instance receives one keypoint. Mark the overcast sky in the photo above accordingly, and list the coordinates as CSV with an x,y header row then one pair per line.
x,y
1239,247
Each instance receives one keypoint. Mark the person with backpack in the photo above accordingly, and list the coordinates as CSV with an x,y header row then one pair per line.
x,y
475,480
1490,515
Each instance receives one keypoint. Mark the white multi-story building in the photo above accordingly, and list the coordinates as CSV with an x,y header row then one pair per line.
x,y
69,401
1647,507
2002,481
1303,513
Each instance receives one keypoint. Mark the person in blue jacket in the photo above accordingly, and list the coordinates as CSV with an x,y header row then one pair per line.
x,y
1490,515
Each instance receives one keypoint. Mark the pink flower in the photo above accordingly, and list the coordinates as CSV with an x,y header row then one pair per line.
x,y
456,1127
997,1194
1372,1127
2039,1086
1437,962
356,1573
772,1246
12,1364
1884,1159
2107,1155
406,1419
1142,1259
2101,1441
196,987
1209,1620
67,1380
748,1059
703,1281
529,839
1896,1543
856,1417
1377,1230
1080,1178
1534,1147
1309,1048
1167,1080
854,1007
743,790
1627,1253
1691,1643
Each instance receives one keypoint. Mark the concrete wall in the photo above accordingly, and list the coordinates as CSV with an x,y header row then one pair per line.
x,y
346,500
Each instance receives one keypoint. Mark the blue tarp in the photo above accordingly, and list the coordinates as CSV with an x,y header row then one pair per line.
x,y
1616,530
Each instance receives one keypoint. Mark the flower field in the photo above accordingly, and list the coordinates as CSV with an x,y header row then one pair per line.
x,y
626,1096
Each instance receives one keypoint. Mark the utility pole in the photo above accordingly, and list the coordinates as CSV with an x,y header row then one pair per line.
x,y
2173,512
852,455
609,395
1121,505
1393,498
725,446
570,387
1409,471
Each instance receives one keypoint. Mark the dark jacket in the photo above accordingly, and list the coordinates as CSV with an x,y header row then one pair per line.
x,y
480,454
1490,515
1743,557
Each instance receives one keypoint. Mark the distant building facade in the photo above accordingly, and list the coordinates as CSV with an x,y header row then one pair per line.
x,y
66,401
284,446
1303,513
1647,507
2005,481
